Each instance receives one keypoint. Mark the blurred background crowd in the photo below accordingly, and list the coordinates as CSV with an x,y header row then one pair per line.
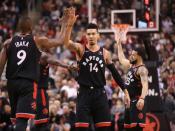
x,y
62,86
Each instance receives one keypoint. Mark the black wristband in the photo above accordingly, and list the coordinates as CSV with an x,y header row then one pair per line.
x,y
116,75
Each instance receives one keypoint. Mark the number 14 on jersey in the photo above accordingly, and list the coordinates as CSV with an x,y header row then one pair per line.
x,y
93,67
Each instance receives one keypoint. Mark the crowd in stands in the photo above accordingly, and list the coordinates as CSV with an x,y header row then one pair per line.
x,y
62,86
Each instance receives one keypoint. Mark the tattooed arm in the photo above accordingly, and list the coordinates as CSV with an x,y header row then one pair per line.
x,y
75,47
119,35
143,73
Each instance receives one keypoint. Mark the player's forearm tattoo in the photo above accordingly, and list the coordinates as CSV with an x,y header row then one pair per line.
x,y
144,78
74,47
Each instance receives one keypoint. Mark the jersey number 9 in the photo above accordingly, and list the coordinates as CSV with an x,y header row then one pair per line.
x,y
21,56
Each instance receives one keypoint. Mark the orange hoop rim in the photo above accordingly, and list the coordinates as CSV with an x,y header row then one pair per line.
x,y
121,26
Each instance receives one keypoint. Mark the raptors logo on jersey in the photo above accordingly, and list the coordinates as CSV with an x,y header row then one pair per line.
x,y
90,60
92,68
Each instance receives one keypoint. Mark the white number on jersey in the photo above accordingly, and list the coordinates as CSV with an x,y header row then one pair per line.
x,y
95,68
21,56
129,78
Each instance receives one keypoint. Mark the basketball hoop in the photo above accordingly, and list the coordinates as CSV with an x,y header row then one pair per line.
x,y
120,30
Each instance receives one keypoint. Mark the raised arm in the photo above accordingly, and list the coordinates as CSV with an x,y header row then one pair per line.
x,y
66,24
3,55
46,43
143,73
72,46
119,35
122,59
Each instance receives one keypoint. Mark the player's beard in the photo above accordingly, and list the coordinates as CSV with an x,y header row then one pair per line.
x,y
133,62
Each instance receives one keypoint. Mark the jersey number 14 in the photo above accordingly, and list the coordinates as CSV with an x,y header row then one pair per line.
x,y
93,67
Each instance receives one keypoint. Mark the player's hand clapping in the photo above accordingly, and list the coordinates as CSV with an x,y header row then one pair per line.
x,y
65,16
68,17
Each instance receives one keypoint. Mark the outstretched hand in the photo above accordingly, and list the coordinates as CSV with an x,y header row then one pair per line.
x,y
69,17
65,16
72,16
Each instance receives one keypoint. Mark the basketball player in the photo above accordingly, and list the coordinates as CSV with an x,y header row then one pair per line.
x,y
41,119
136,84
22,72
92,100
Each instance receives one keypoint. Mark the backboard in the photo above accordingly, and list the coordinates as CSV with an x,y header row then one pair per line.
x,y
142,15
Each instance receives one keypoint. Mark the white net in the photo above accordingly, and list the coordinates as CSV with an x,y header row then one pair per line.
x,y
120,31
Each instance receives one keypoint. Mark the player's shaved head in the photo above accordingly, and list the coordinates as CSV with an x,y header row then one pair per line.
x,y
25,24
